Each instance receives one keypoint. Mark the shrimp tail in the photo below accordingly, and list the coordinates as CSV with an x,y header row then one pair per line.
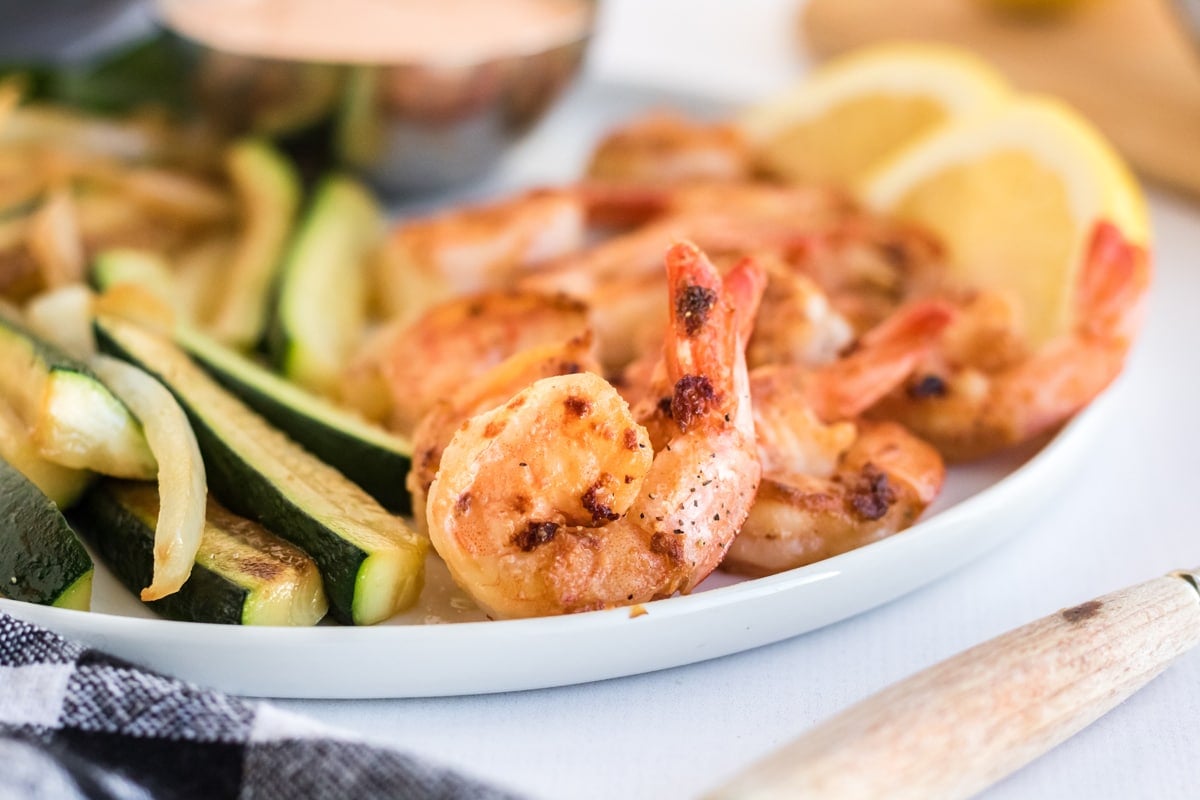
x,y
745,284
1112,285
704,353
701,336
886,356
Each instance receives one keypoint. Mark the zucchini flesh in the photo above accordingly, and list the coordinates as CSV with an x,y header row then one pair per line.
x,y
320,308
364,453
75,420
244,575
372,563
41,559
269,190
61,484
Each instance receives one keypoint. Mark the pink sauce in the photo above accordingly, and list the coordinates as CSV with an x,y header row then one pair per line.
x,y
442,32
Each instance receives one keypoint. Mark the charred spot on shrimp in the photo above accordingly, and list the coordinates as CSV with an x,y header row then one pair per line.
x,y
597,501
692,305
669,545
630,440
872,494
534,535
694,394
577,406
929,385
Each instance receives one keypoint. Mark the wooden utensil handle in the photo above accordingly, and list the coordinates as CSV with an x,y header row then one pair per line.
x,y
957,727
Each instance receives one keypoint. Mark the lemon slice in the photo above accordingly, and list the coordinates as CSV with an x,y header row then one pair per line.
x,y
858,109
1014,195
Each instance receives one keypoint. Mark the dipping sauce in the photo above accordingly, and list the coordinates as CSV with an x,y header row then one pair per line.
x,y
432,32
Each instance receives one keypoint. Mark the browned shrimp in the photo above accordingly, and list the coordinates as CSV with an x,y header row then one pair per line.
x,y
426,361
667,148
557,502
831,484
484,393
475,248
971,398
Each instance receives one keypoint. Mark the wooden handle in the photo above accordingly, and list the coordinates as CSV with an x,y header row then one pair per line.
x,y
957,727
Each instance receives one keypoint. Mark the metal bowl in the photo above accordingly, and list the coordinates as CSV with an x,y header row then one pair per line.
x,y
406,127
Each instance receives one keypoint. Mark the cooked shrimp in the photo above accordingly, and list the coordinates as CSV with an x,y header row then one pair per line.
x,y
421,363
970,399
868,266
621,279
796,324
475,248
882,482
830,484
556,501
666,148
484,393
625,204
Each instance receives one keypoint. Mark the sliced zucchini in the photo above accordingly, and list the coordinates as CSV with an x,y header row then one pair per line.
x,y
268,188
76,421
320,305
139,267
41,559
61,484
363,452
244,575
371,561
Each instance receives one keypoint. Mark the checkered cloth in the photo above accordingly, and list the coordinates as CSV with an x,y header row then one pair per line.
x,y
76,723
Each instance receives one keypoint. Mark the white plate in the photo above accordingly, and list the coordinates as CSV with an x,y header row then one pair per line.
x,y
981,506
443,647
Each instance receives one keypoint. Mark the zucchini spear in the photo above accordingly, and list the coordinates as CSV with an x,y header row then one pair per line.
x,y
371,561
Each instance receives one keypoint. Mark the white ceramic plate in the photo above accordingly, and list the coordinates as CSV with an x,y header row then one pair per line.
x,y
444,647
982,505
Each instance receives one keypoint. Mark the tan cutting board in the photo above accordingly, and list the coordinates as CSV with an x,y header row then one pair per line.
x,y
1127,64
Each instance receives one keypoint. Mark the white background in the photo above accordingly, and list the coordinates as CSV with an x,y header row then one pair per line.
x,y
1129,515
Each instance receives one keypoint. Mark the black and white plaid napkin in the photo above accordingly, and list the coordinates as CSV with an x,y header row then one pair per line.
x,y
77,723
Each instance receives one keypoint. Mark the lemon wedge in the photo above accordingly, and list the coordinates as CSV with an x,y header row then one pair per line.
x,y
858,109
1014,195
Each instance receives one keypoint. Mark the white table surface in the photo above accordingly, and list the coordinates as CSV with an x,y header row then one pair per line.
x,y
1130,515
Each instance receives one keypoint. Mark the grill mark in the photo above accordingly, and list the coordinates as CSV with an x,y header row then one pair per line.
x,y
872,495
693,396
692,305
927,386
535,535
577,406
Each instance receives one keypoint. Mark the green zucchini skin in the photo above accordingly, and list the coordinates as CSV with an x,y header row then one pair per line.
x,y
249,489
373,459
321,291
118,518
364,453
246,491
35,375
269,189
41,559
126,545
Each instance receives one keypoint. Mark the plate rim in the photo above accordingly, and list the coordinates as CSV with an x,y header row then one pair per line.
x,y
1033,476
